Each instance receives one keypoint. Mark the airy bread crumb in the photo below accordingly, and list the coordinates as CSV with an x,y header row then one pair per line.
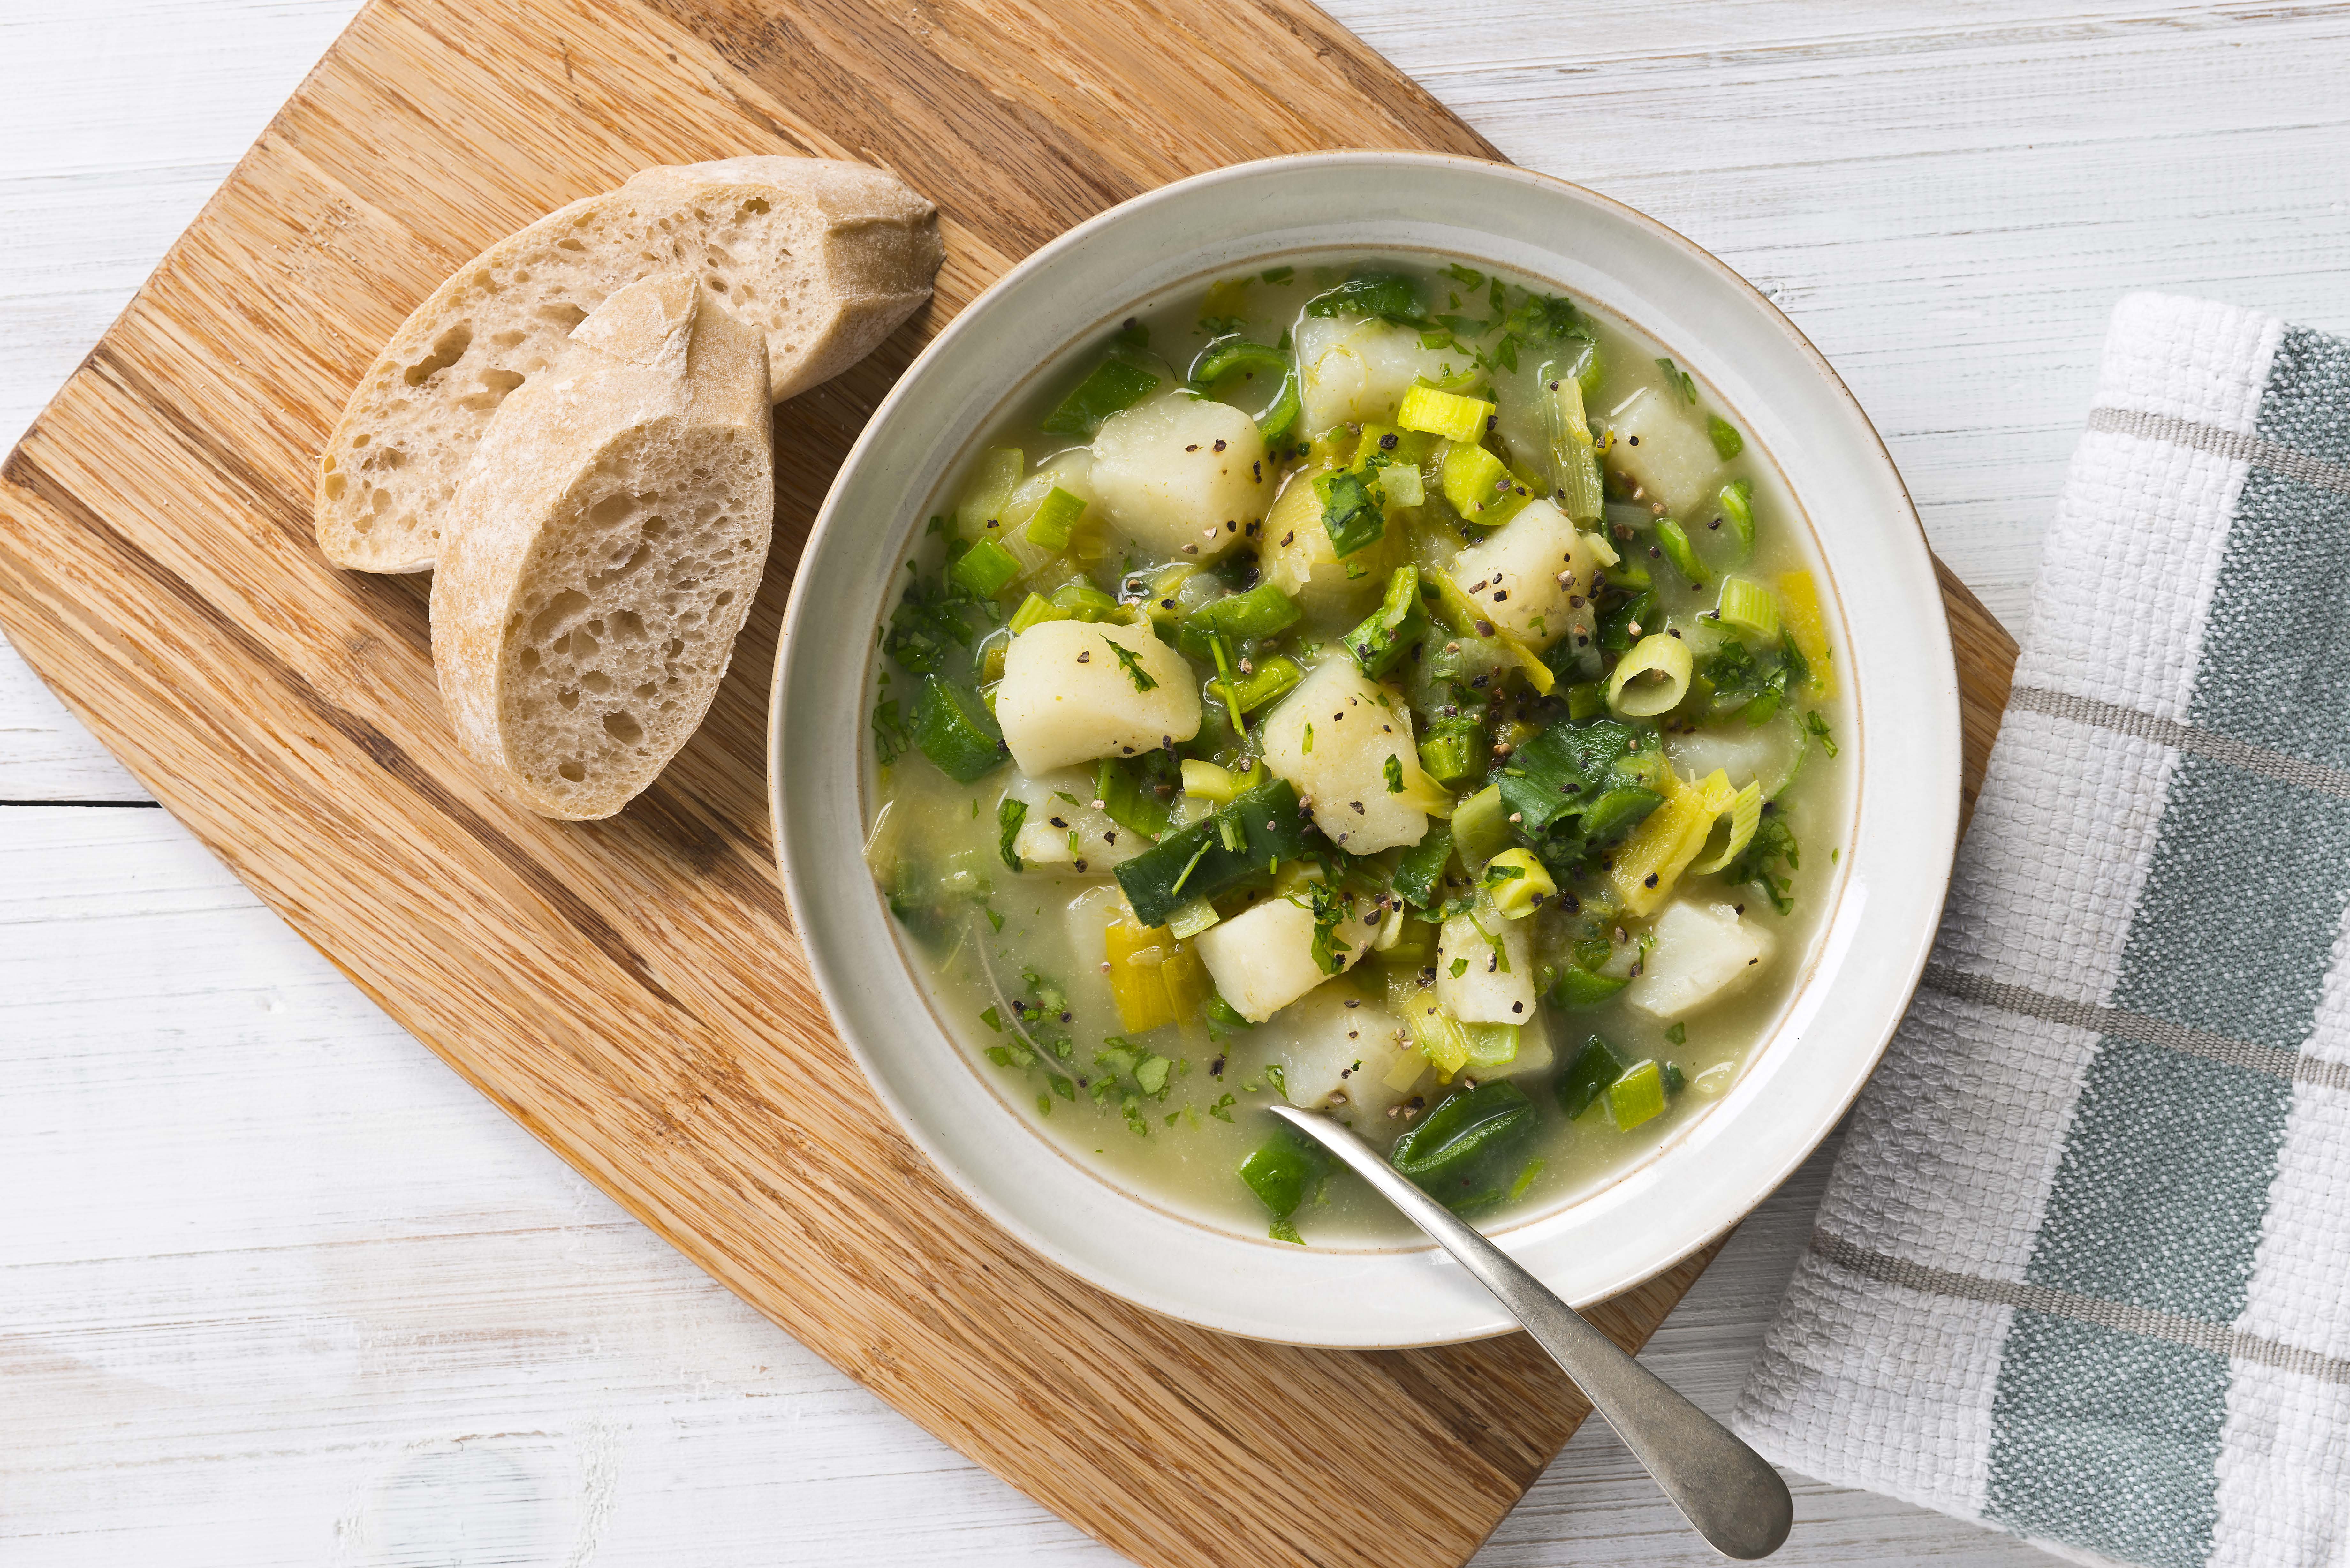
x,y
822,257
606,542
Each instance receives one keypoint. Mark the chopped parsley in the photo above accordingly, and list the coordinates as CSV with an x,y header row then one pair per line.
x,y
1351,513
1131,663
892,737
1009,816
1772,846
1330,910
1820,731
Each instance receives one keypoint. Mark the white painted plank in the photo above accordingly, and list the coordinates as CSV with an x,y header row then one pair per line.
x,y
120,118
45,751
290,1292
279,1288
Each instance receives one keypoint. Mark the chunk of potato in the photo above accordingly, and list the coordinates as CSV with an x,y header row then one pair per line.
x,y
1534,1053
1661,445
1496,984
1296,556
1359,370
1060,838
1182,476
1332,739
1532,577
1704,954
1336,1046
1261,959
1067,698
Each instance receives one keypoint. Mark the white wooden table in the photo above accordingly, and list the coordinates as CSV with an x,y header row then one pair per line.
x,y
277,1288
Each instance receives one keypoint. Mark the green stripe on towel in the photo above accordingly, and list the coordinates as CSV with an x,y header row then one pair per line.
x,y
2283,679
2306,402
2101,1437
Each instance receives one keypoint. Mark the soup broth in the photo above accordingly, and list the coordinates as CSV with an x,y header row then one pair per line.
x,y
1377,683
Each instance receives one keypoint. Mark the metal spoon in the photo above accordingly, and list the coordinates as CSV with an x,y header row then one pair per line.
x,y
1725,1488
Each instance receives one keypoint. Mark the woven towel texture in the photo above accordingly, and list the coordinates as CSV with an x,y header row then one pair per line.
x,y
2082,1271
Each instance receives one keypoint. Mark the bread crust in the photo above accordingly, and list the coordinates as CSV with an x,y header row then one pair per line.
x,y
607,541
826,257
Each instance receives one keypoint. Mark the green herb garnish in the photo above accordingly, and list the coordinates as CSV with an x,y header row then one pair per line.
x,y
1131,662
1008,819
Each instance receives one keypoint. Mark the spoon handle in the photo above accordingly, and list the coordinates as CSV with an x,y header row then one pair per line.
x,y
1725,1488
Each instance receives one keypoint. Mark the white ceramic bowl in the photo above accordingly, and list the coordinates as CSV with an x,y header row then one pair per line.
x,y
1892,644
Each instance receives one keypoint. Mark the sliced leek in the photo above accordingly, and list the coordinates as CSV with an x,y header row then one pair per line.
x,y
1444,1040
1674,540
1480,828
1744,815
1518,883
986,569
1400,485
1189,919
1471,476
1054,520
1437,1033
1809,628
989,491
1153,976
991,650
1036,608
1409,1069
1160,590
1209,782
1665,659
1035,560
1431,798
1575,463
1491,1044
1646,864
1448,414
1750,607
1415,945
1737,504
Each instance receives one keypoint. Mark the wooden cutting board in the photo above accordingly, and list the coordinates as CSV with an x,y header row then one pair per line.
x,y
631,990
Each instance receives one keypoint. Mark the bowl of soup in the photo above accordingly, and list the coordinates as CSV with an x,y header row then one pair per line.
x,y
1392,634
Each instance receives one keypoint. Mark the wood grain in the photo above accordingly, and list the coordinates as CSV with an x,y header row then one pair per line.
x,y
1985,653
629,991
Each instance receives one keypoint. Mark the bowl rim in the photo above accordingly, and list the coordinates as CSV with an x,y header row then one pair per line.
x,y
1938,826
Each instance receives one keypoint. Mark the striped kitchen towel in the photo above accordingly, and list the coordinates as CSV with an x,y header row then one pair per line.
x,y
2082,1271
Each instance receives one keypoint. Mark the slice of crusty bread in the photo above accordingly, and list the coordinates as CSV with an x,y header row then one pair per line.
x,y
824,257
605,546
